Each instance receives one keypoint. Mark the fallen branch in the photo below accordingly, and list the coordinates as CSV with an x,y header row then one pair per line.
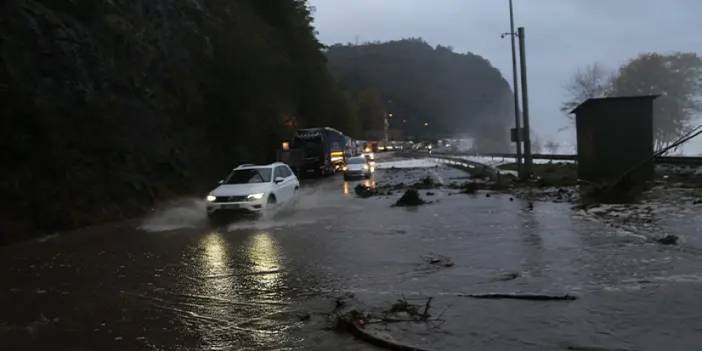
x,y
425,314
532,297
592,348
354,322
388,320
403,306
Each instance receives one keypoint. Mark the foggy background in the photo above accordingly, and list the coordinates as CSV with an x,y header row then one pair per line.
x,y
561,37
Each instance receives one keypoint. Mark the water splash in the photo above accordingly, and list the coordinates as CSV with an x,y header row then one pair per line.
x,y
309,206
186,213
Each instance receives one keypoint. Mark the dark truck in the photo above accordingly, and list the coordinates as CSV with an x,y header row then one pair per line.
x,y
317,151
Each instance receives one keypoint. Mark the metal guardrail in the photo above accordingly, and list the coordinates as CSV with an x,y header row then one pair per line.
x,y
457,162
680,160
534,156
675,160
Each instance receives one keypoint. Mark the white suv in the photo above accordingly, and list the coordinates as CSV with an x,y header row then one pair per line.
x,y
250,188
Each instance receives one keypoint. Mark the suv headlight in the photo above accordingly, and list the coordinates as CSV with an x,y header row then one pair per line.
x,y
211,198
252,197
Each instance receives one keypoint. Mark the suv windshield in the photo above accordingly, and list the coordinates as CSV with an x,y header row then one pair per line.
x,y
249,175
356,161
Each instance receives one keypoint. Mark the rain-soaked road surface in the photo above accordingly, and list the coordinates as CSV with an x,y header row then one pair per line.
x,y
172,282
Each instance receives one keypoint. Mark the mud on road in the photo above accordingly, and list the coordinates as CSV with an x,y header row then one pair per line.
x,y
174,282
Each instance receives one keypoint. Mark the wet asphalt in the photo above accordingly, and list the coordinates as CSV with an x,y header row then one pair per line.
x,y
172,281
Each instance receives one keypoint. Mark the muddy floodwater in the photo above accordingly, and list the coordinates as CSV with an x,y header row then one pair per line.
x,y
172,281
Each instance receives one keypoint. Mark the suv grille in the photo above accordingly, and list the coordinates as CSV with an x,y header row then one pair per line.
x,y
238,198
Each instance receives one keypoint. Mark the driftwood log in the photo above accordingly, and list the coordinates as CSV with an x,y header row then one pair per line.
x,y
516,296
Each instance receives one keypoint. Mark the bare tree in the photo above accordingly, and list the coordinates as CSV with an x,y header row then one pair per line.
x,y
536,146
591,81
552,147
677,78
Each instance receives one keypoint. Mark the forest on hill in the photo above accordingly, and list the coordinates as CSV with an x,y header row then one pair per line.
x,y
430,91
109,106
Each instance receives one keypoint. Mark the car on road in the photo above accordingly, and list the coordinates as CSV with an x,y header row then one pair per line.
x,y
357,167
252,188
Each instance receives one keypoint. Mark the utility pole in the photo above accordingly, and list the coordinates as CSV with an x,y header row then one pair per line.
x,y
386,126
516,90
525,105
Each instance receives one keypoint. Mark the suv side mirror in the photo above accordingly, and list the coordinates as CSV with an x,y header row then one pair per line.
x,y
279,180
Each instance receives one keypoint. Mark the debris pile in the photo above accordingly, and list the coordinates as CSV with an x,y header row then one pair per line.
x,y
426,183
364,191
408,312
668,240
473,186
442,261
552,194
410,198
646,220
507,276
372,327
470,188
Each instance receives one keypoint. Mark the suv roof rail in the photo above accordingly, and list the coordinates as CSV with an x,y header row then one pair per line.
x,y
245,165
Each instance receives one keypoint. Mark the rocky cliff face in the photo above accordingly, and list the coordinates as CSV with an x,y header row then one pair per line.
x,y
110,105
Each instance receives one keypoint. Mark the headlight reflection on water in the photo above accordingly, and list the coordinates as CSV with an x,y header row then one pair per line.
x,y
264,257
214,262
215,259
260,266
243,290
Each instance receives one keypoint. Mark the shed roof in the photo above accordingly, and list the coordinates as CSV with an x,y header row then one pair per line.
x,y
589,102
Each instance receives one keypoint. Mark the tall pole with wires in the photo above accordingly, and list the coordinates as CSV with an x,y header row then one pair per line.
x,y
525,104
515,87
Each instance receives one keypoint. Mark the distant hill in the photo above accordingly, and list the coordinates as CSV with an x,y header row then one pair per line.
x,y
454,93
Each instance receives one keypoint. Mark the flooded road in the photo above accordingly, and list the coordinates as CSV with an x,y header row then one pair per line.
x,y
173,282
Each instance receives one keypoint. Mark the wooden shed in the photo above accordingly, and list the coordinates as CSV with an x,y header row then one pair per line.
x,y
614,136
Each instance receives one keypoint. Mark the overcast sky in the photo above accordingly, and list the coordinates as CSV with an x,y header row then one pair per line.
x,y
562,35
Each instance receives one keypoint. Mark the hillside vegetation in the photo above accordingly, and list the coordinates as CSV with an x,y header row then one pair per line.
x,y
108,106
454,93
